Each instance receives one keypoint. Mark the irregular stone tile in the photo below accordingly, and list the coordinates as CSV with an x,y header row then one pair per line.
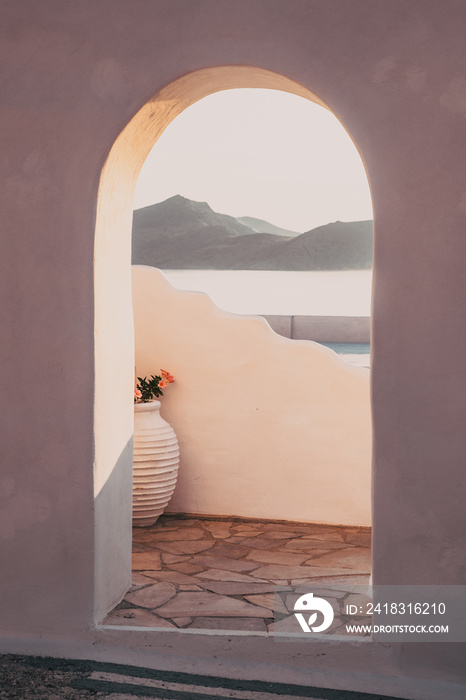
x,y
310,529
259,543
193,533
145,539
268,600
123,605
220,575
142,536
135,618
286,625
293,626
234,539
161,527
353,580
152,596
211,562
291,599
182,621
189,587
173,558
222,549
139,547
363,539
360,600
272,571
244,624
183,547
136,587
278,535
218,529
246,531
211,605
249,524
339,592
171,576
314,554
330,535
356,558
138,581
336,623
280,581
236,588
310,545
186,568
275,557
148,561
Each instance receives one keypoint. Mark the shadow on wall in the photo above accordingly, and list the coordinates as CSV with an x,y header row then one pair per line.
x,y
268,427
113,554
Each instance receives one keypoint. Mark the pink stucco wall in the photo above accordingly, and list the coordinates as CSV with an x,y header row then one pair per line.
x,y
72,77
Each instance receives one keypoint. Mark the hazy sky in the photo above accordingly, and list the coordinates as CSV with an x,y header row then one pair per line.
x,y
261,153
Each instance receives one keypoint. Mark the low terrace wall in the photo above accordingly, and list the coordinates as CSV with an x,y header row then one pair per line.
x,y
322,329
268,427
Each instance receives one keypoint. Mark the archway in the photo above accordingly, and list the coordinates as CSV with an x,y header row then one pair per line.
x,y
114,352
288,164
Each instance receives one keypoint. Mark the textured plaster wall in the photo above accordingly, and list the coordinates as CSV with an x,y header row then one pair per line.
x,y
268,427
72,79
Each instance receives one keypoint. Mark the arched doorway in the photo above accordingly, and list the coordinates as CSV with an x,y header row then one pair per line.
x,y
114,358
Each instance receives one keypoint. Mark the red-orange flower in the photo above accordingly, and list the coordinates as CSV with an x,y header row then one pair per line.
x,y
149,388
166,378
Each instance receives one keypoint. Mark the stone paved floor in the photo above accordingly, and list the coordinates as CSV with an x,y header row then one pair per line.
x,y
221,574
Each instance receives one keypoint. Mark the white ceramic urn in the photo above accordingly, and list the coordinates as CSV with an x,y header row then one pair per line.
x,y
155,463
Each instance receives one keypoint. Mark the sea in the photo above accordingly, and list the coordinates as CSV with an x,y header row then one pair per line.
x,y
281,293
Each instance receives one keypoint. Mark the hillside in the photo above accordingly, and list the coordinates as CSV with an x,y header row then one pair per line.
x,y
260,226
182,234
337,246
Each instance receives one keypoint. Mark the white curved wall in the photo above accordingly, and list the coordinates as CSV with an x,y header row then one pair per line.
x,y
268,427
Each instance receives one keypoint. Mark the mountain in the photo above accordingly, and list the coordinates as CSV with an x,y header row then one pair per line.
x,y
182,234
260,226
179,215
337,246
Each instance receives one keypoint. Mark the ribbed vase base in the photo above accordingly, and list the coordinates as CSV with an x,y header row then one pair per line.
x,y
155,464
